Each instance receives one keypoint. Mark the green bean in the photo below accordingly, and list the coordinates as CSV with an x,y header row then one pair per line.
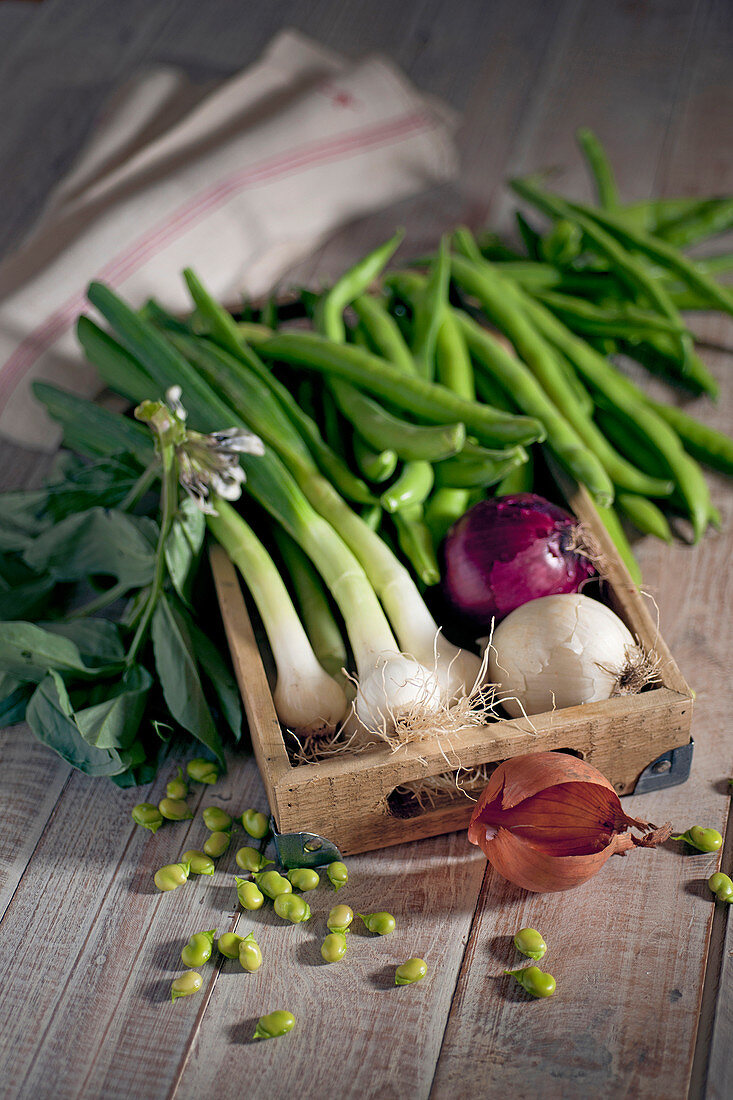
x,y
624,320
416,543
340,918
329,313
171,876
303,878
228,944
534,980
274,1024
200,862
216,819
659,355
414,970
705,840
487,386
177,788
518,480
428,312
272,883
444,508
600,168
147,815
563,243
645,515
379,923
250,955
705,444
291,907
476,467
249,859
426,400
383,332
383,431
530,943
255,823
186,984
198,949
376,466
709,218
202,771
217,844
175,809
722,886
453,362
372,517
412,486
248,893
493,248
334,947
338,874
613,526
531,239
652,215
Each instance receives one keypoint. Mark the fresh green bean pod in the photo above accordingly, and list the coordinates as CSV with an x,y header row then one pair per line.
x,y
563,243
518,480
428,312
383,431
707,445
623,320
645,515
352,284
453,361
599,167
612,524
376,466
372,517
383,331
477,467
417,543
444,508
530,237
412,487
709,218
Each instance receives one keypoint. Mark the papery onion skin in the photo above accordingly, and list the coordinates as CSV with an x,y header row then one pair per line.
x,y
506,551
521,779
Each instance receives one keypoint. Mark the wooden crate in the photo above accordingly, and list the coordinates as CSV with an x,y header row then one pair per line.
x,y
347,798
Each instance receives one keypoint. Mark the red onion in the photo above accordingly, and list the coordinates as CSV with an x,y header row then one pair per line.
x,y
509,550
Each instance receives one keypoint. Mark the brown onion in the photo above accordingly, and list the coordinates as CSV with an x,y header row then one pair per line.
x,y
548,821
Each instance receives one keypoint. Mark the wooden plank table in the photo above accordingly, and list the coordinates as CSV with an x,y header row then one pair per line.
x,y
88,947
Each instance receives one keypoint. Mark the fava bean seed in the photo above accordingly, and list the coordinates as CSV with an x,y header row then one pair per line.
x,y
172,876
340,918
381,923
255,824
414,970
250,956
175,809
534,980
186,984
249,859
705,840
201,864
292,907
217,820
249,894
303,878
177,789
722,886
274,1024
228,944
147,815
202,771
338,874
530,943
198,949
272,883
217,844
334,947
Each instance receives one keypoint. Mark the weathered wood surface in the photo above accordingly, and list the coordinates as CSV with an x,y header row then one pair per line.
x,y
87,949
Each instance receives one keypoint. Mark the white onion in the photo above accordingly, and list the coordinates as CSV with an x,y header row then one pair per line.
x,y
559,651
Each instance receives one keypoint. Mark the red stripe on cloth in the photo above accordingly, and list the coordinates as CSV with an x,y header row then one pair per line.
x,y
187,215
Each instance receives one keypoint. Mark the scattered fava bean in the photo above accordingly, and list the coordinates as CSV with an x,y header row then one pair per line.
x,y
381,923
705,840
202,771
147,815
249,859
340,918
530,943
250,956
292,907
274,1024
303,878
414,970
186,984
217,844
334,947
255,823
175,809
217,820
722,886
228,944
272,883
249,894
198,949
201,864
172,876
534,980
338,874
177,789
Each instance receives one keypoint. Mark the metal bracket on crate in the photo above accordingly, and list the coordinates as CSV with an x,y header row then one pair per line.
x,y
668,770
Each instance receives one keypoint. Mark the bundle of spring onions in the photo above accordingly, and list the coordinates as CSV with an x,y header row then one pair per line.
x,y
387,406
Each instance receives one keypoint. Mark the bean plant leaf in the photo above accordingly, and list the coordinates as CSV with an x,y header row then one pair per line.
x,y
19,518
97,541
183,546
98,640
175,662
28,652
104,484
116,711
14,696
23,600
221,678
92,430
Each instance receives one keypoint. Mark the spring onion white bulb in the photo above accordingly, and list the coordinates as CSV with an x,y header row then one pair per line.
x,y
560,651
